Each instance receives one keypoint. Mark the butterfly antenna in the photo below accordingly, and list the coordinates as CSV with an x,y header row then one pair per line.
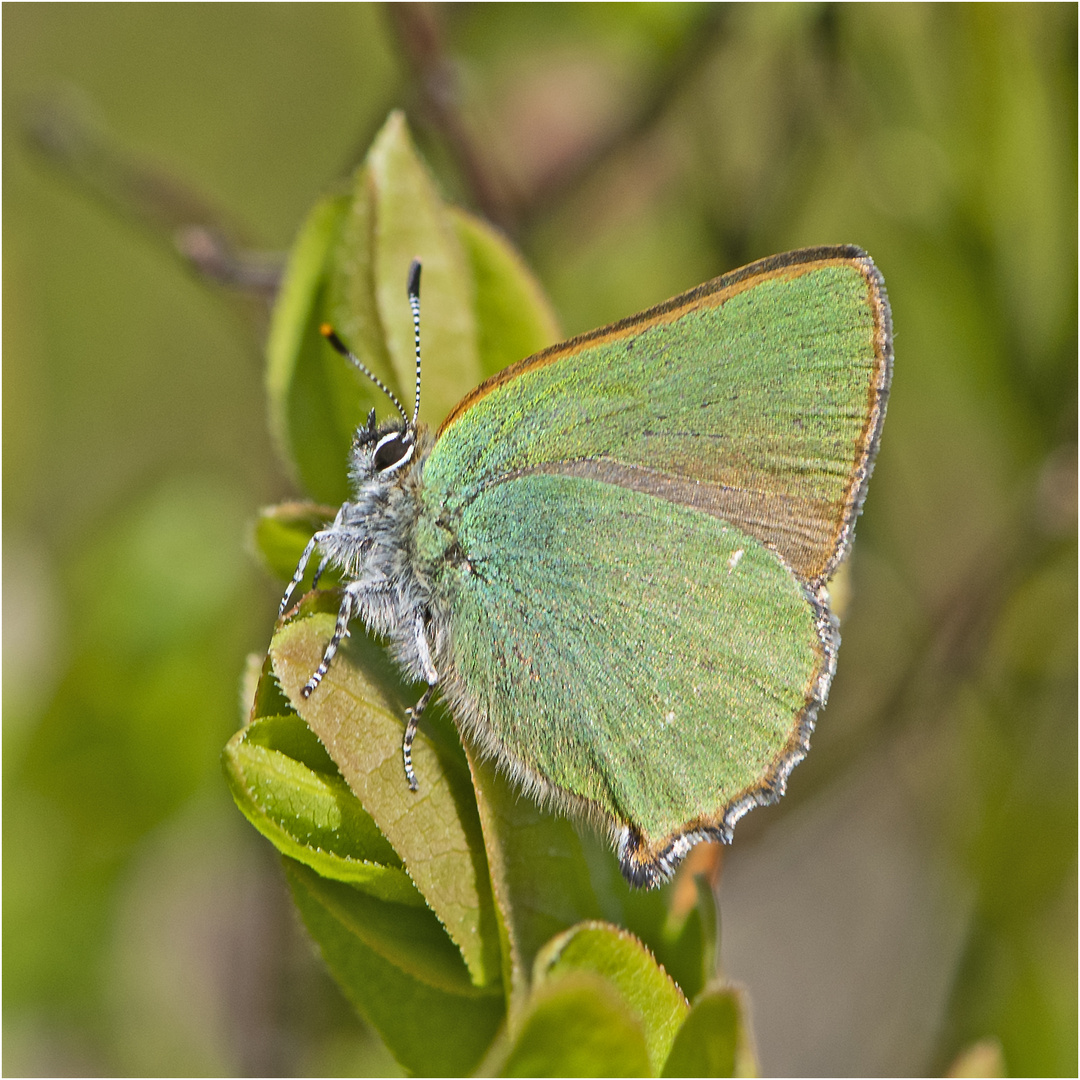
x,y
327,332
414,303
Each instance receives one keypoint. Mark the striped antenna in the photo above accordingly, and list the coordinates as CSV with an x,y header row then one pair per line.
x,y
327,332
414,303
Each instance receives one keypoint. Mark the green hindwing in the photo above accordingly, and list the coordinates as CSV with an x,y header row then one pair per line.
x,y
645,663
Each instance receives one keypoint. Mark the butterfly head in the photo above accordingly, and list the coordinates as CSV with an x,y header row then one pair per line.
x,y
380,451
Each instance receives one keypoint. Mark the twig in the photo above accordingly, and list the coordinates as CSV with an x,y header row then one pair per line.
x,y
139,192
423,48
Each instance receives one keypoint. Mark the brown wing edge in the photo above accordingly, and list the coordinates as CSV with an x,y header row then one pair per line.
x,y
650,862
877,401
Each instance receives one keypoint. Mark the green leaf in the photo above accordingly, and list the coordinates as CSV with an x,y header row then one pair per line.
x,y
287,734
351,307
715,1039
358,713
538,872
402,973
653,998
576,1026
268,700
289,789
310,432
684,945
281,533
514,317
412,222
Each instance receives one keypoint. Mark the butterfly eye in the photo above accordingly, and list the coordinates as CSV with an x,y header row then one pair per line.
x,y
392,451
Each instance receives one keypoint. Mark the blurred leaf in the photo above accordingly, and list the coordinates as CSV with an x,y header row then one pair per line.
x,y
654,1000
576,1026
514,317
303,806
281,533
402,973
538,872
983,1058
358,712
715,1039
311,432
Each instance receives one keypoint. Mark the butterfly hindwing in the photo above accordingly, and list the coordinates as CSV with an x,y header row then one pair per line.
x,y
643,662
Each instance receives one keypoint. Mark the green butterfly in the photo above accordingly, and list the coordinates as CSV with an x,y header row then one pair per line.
x,y
612,558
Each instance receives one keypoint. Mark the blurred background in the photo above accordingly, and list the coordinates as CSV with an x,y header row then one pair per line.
x,y
916,891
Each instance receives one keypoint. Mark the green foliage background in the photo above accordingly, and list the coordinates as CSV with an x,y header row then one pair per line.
x,y
917,889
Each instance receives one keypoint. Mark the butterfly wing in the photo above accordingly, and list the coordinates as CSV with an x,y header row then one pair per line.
x,y
639,526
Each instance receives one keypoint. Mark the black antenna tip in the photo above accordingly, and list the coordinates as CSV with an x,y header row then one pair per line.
x,y
414,278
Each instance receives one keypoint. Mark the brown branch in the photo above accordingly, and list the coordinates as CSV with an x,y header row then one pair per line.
x,y
423,47
169,210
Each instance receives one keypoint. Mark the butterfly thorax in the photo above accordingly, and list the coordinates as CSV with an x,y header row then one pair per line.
x,y
372,542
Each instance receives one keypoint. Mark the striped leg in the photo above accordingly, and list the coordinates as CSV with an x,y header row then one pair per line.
x,y
319,572
321,535
414,715
341,630
299,575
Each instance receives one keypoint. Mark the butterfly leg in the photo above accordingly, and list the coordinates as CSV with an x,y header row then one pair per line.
x,y
341,630
414,715
301,566
427,667
319,572
297,577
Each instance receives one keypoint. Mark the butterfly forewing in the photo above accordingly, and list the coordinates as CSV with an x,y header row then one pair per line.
x,y
756,398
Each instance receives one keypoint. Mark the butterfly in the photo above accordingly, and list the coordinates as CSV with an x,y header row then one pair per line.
x,y
612,558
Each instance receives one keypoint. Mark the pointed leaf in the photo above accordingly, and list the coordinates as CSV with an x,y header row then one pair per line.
x,y
653,999
576,1026
303,386
290,790
715,1039
358,712
352,307
514,317
402,974
412,222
